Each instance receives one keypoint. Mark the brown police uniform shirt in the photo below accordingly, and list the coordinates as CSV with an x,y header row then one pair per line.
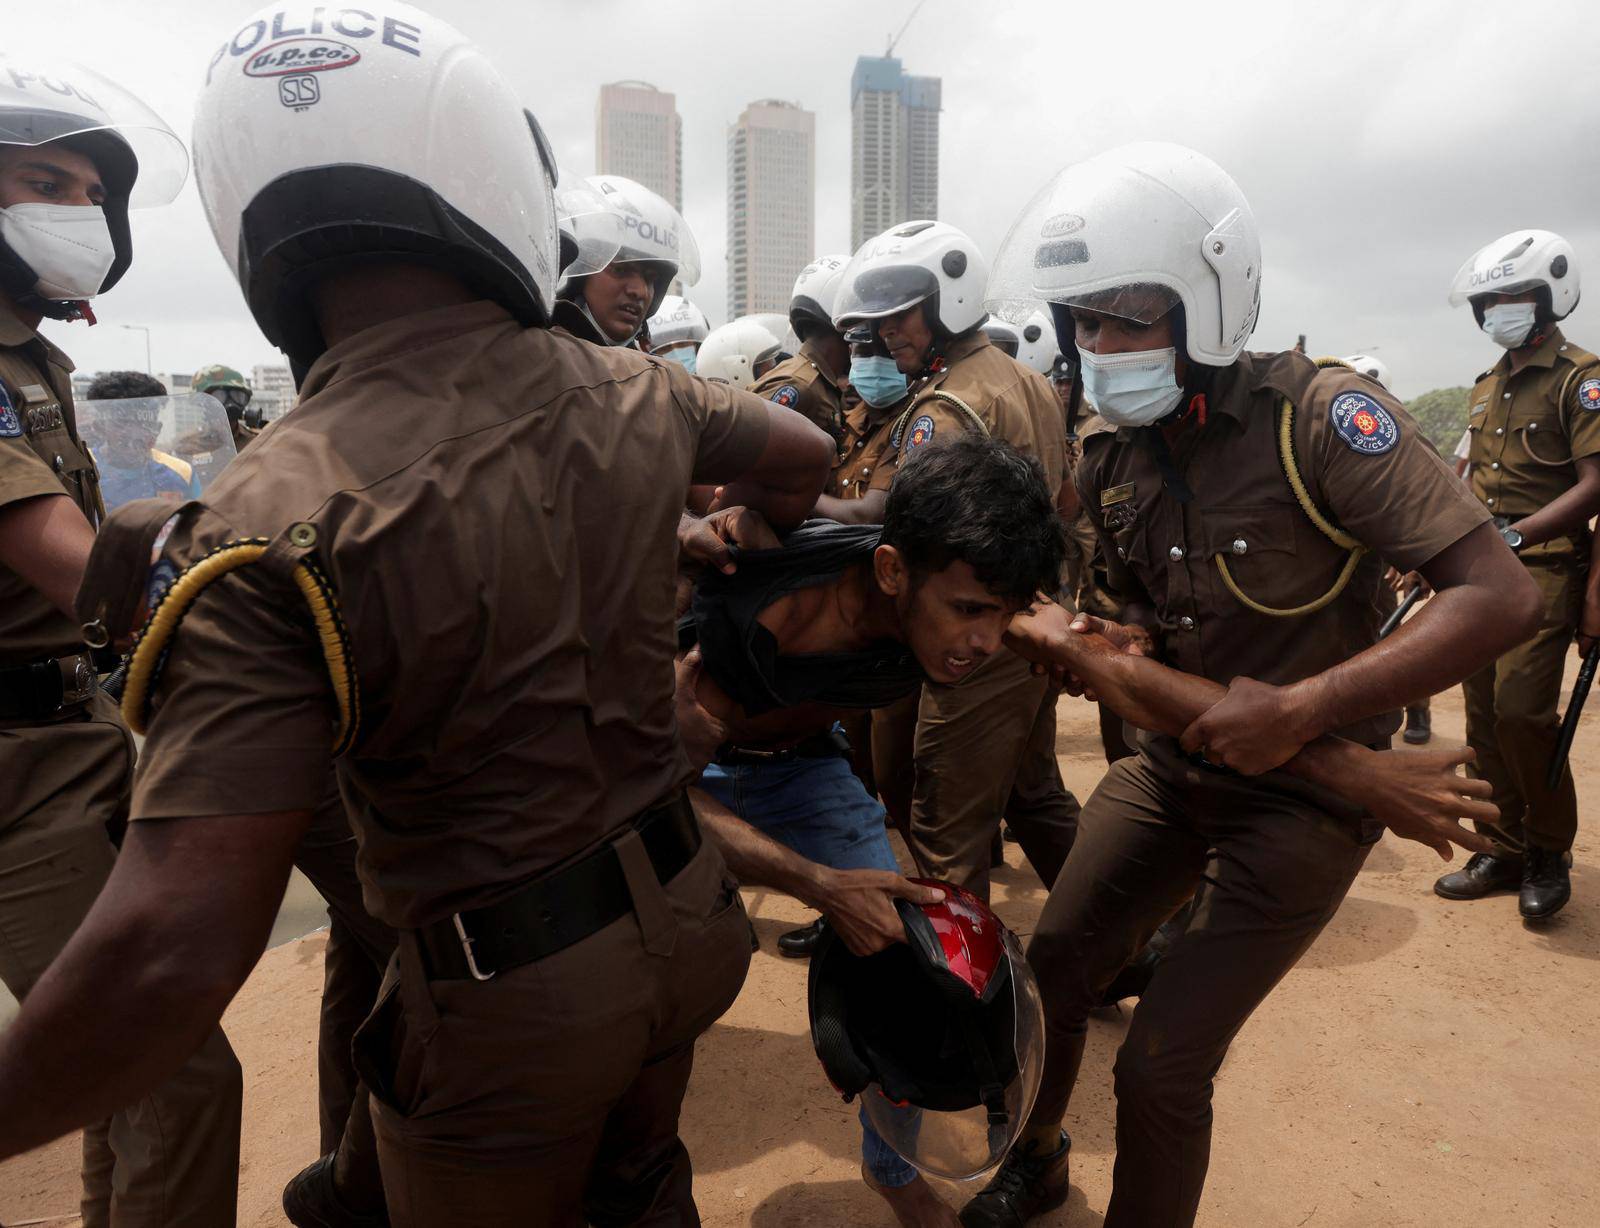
x,y
806,385
1366,465
495,508
1527,430
41,453
865,461
1014,402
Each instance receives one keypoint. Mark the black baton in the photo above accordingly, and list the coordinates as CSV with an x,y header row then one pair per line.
x,y
1569,724
1400,611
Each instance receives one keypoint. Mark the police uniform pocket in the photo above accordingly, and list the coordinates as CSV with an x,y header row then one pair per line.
x,y
387,1055
1543,438
1257,548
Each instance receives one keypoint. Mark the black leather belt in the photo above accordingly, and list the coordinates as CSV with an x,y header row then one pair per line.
x,y
42,689
558,909
829,745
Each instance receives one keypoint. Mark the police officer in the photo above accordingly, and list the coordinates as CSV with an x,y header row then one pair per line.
x,y
1534,421
76,152
676,331
919,288
864,467
811,382
740,353
1225,544
229,387
465,610
607,301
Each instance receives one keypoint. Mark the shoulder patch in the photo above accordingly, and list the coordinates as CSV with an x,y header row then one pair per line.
x,y
1364,425
788,396
10,424
1589,395
921,432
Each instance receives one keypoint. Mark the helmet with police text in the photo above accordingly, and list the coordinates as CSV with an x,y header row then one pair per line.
x,y
1523,260
1037,349
654,235
326,137
590,230
915,262
55,255
738,353
942,1035
1375,369
677,322
1135,232
815,291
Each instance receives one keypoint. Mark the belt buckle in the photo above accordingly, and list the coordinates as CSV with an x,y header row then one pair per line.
x,y
78,680
466,948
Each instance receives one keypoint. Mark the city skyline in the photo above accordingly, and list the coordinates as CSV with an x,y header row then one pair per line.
x,y
639,134
771,191
894,146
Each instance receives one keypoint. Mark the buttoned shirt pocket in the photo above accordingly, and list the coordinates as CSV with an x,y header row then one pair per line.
x,y
1259,549
71,463
1543,436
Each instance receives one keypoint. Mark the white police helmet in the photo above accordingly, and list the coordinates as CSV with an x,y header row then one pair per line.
x,y
815,291
731,354
912,263
1520,261
325,135
1135,232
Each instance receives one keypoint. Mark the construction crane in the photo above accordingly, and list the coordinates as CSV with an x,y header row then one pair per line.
x,y
889,50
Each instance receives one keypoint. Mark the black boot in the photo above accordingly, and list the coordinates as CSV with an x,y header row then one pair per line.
x,y
310,1201
1483,873
1419,726
1026,1184
1546,886
1134,978
800,943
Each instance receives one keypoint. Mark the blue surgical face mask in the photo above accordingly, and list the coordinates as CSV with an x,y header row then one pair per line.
x,y
1509,323
879,381
684,355
1138,388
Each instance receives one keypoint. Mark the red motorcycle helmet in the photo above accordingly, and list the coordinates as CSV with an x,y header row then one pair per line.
x,y
942,1036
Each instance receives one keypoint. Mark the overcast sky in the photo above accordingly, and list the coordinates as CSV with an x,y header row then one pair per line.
x,y
1379,143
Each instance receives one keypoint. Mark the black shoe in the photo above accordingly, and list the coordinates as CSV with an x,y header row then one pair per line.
x,y
1483,873
310,1201
1419,726
800,943
1546,886
1025,1185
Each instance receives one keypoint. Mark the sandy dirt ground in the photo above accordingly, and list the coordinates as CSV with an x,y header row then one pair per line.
x,y
1427,1063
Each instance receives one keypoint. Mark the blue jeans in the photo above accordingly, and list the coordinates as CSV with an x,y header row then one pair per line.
x,y
819,809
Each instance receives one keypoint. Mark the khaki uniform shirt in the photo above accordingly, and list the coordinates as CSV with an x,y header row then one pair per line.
x,y
1367,466
1015,403
1527,430
805,385
41,453
865,461
495,508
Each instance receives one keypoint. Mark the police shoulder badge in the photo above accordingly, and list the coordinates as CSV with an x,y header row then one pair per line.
x,y
1589,395
921,432
10,424
1364,425
788,396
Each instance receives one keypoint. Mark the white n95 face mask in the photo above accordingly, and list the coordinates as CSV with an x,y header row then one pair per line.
x,y
1509,324
68,247
1133,389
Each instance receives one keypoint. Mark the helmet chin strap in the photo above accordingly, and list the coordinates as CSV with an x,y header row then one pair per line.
x,y
583,306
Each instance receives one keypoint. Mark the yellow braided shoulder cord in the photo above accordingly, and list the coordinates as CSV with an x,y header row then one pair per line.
x,y
155,640
1291,472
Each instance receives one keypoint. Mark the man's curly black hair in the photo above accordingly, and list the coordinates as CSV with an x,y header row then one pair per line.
x,y
980,501
120,385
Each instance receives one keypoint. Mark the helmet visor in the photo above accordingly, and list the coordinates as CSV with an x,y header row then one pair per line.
x,y
652,229
873,293
592,226
959,1143
134,149
156,447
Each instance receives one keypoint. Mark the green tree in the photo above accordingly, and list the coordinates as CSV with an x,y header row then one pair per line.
x,y
1442,415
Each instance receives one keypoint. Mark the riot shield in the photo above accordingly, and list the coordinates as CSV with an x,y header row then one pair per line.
x,y
156,447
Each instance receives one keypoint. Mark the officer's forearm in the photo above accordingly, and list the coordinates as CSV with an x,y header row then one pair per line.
x,y
1568,513
785,480
174,933
756,859
866,510
1485,604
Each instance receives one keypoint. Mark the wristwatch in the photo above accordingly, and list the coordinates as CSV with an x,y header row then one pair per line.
x,y
1513,538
